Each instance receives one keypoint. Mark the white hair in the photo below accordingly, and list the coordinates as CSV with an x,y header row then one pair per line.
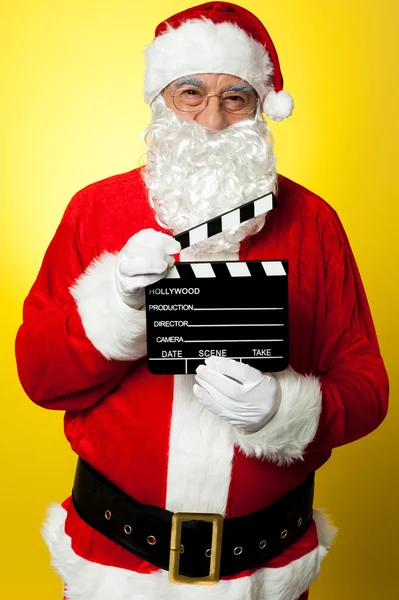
x,y
194,174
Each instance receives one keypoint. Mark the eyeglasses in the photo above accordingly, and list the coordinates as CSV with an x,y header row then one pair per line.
x,y
194,99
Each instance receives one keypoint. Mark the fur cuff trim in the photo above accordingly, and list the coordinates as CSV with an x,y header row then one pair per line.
x,y
201,46
115,329
86,580
284,438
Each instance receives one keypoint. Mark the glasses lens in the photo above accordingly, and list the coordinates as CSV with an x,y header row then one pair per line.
x,y
189,99
238,103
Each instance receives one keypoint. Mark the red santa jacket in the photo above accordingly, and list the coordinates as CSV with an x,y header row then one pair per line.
x,y
82,350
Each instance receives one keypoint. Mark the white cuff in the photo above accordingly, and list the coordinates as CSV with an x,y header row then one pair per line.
x,y
284,438
115,329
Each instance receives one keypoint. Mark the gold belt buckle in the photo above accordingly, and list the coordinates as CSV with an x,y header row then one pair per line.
x,y
176,548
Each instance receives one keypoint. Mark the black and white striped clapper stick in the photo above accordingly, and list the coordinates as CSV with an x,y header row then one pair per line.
x,y
234,309
228,220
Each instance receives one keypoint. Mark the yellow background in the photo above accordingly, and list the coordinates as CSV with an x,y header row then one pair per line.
x,y
73,113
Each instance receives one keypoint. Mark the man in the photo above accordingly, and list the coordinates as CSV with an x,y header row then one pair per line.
x,y
230,440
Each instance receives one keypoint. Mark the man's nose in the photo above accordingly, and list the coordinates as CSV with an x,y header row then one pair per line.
x,y
212,116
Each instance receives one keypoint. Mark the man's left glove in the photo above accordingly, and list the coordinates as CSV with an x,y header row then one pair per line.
x,y
238,393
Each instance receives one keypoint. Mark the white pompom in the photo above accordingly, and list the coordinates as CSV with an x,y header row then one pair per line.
x,y
278,106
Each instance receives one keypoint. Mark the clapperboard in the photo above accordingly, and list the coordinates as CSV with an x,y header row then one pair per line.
x,y
235,309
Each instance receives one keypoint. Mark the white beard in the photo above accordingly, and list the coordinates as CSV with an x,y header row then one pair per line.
x,y
194,174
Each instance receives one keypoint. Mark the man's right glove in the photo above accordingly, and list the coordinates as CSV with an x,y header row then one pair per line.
x,y
144,259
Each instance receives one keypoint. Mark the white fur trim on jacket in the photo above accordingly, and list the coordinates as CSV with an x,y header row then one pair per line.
x,y
85,580
115,329
201,450
201,46
284,438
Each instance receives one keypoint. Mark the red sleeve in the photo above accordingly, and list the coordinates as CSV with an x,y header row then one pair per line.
x,y
345,397
58,365
353,379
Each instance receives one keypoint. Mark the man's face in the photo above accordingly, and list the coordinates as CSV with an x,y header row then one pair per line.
x,y
185,97
203,163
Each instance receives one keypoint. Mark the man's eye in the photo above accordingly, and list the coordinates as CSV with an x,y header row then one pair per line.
x,y
235,101
191,93
188,98
242,99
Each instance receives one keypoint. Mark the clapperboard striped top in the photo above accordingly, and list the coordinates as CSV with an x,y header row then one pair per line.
x,y
229,220
226,270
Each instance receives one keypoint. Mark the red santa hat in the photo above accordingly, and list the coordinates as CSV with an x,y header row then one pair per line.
x,y
217,37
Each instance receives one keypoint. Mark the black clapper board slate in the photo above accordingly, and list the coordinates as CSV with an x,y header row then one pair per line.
x,y
236,309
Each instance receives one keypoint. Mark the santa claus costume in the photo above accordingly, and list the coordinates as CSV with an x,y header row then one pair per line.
x,y
81,349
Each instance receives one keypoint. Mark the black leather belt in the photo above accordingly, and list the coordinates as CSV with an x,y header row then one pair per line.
x,y
194,547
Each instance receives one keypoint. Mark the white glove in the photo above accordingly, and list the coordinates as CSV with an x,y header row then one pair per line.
x,y
144,259
238,393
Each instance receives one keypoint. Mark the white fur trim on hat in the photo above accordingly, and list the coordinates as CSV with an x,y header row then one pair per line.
x,y
278,106
201,46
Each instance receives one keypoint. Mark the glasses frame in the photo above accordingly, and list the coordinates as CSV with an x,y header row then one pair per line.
x,y
206,99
